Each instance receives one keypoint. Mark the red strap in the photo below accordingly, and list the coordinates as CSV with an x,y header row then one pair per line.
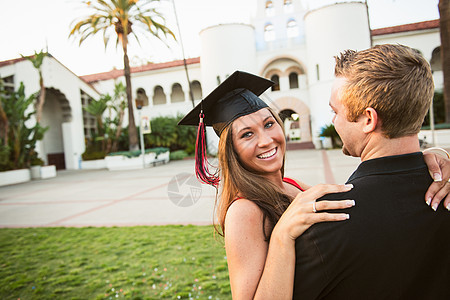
x,y
293,182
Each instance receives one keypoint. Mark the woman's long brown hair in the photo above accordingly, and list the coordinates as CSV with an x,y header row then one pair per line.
x,y
236,179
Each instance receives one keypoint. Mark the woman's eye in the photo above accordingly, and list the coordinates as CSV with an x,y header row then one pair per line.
x,y
269,124
333,112
246,135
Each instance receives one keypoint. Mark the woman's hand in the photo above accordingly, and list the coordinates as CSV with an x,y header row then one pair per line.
x,y
439,168
300,214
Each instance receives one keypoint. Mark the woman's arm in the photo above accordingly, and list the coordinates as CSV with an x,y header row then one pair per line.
x,y
261,270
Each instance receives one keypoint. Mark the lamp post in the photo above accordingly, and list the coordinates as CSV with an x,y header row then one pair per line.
x,y
139,104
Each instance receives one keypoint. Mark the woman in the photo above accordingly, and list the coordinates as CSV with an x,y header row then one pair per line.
x,y
260,212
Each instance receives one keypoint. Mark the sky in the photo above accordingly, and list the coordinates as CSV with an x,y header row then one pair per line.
x,y
32,25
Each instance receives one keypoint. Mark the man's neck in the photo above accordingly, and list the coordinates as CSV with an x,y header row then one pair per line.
x,y
379,146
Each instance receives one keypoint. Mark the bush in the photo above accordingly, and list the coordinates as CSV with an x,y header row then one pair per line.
x,y
167,133
93,155
178,155
330,131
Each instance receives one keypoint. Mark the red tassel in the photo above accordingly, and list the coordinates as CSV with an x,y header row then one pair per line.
x,y
201,160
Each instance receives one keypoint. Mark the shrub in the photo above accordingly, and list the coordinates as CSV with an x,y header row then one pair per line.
x,y
330,131
178,155
166,133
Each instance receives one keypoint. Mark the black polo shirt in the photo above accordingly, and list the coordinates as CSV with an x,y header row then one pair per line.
x,y
393,247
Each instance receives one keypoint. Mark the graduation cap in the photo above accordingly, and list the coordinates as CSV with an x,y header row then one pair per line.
x,y
237,96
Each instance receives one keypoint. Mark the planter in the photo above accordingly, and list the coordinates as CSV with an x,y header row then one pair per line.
x,y
121,162
93,164
48,171
327,143
35,172
15,176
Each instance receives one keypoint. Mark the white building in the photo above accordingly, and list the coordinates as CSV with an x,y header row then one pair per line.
x,y
285,43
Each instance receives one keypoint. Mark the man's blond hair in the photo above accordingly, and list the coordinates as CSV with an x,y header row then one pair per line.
x,y
395,80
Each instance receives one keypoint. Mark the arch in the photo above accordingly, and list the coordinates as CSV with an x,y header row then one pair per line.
x,y
288,6
294,63
196,89
55,113
269,32
435,62
270,11
300,108
293,80
177,94
291,121
275,78
141,97
159,97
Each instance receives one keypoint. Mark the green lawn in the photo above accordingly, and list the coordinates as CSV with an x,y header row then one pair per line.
x,y
148,262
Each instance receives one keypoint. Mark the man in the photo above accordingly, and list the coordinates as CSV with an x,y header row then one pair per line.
x,y
393,246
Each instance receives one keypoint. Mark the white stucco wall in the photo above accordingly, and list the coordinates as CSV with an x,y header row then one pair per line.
x,y
326,36
58,77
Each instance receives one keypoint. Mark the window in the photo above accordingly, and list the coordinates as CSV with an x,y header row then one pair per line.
x,y
276,79
293,80
288,6
196,90
317,72
269,33
141,97
158,96
270,11
8,83
89,121
292,28
177,93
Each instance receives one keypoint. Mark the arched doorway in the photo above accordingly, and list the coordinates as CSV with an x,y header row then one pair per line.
x,y
295,115
291,121
56,111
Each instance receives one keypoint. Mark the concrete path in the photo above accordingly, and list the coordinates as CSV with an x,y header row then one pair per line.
x,y
165,194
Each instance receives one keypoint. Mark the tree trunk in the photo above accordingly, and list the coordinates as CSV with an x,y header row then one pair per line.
x,y
444,12
41,99
132,131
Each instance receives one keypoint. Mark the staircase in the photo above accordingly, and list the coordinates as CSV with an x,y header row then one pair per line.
x,y
299,145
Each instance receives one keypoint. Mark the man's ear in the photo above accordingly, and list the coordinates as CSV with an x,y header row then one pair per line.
x,y
370,120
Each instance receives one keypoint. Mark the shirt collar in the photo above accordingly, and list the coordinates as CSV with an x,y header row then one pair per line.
x,y
389,164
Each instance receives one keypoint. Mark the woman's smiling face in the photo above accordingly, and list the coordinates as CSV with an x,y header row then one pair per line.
x,y
259,141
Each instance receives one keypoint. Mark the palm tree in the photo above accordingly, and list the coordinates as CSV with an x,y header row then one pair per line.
x,y
444,12
121,17
37,59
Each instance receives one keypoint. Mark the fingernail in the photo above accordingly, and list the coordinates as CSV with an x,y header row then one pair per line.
x,y
347,216
437,177
428,201
448,207
350,186
434,206
351,202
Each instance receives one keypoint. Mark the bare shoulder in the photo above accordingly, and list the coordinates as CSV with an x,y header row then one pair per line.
x,y
243,209
244,229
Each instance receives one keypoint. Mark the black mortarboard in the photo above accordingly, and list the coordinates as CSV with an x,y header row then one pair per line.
x,y
237,96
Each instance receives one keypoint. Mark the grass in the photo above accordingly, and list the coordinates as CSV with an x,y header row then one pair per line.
x,y
148,262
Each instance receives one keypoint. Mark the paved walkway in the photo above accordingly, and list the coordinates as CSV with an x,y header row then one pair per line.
x,y
165,194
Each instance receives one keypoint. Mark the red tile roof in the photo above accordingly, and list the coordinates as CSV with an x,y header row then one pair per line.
x,y
11,61
149,67
407,27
